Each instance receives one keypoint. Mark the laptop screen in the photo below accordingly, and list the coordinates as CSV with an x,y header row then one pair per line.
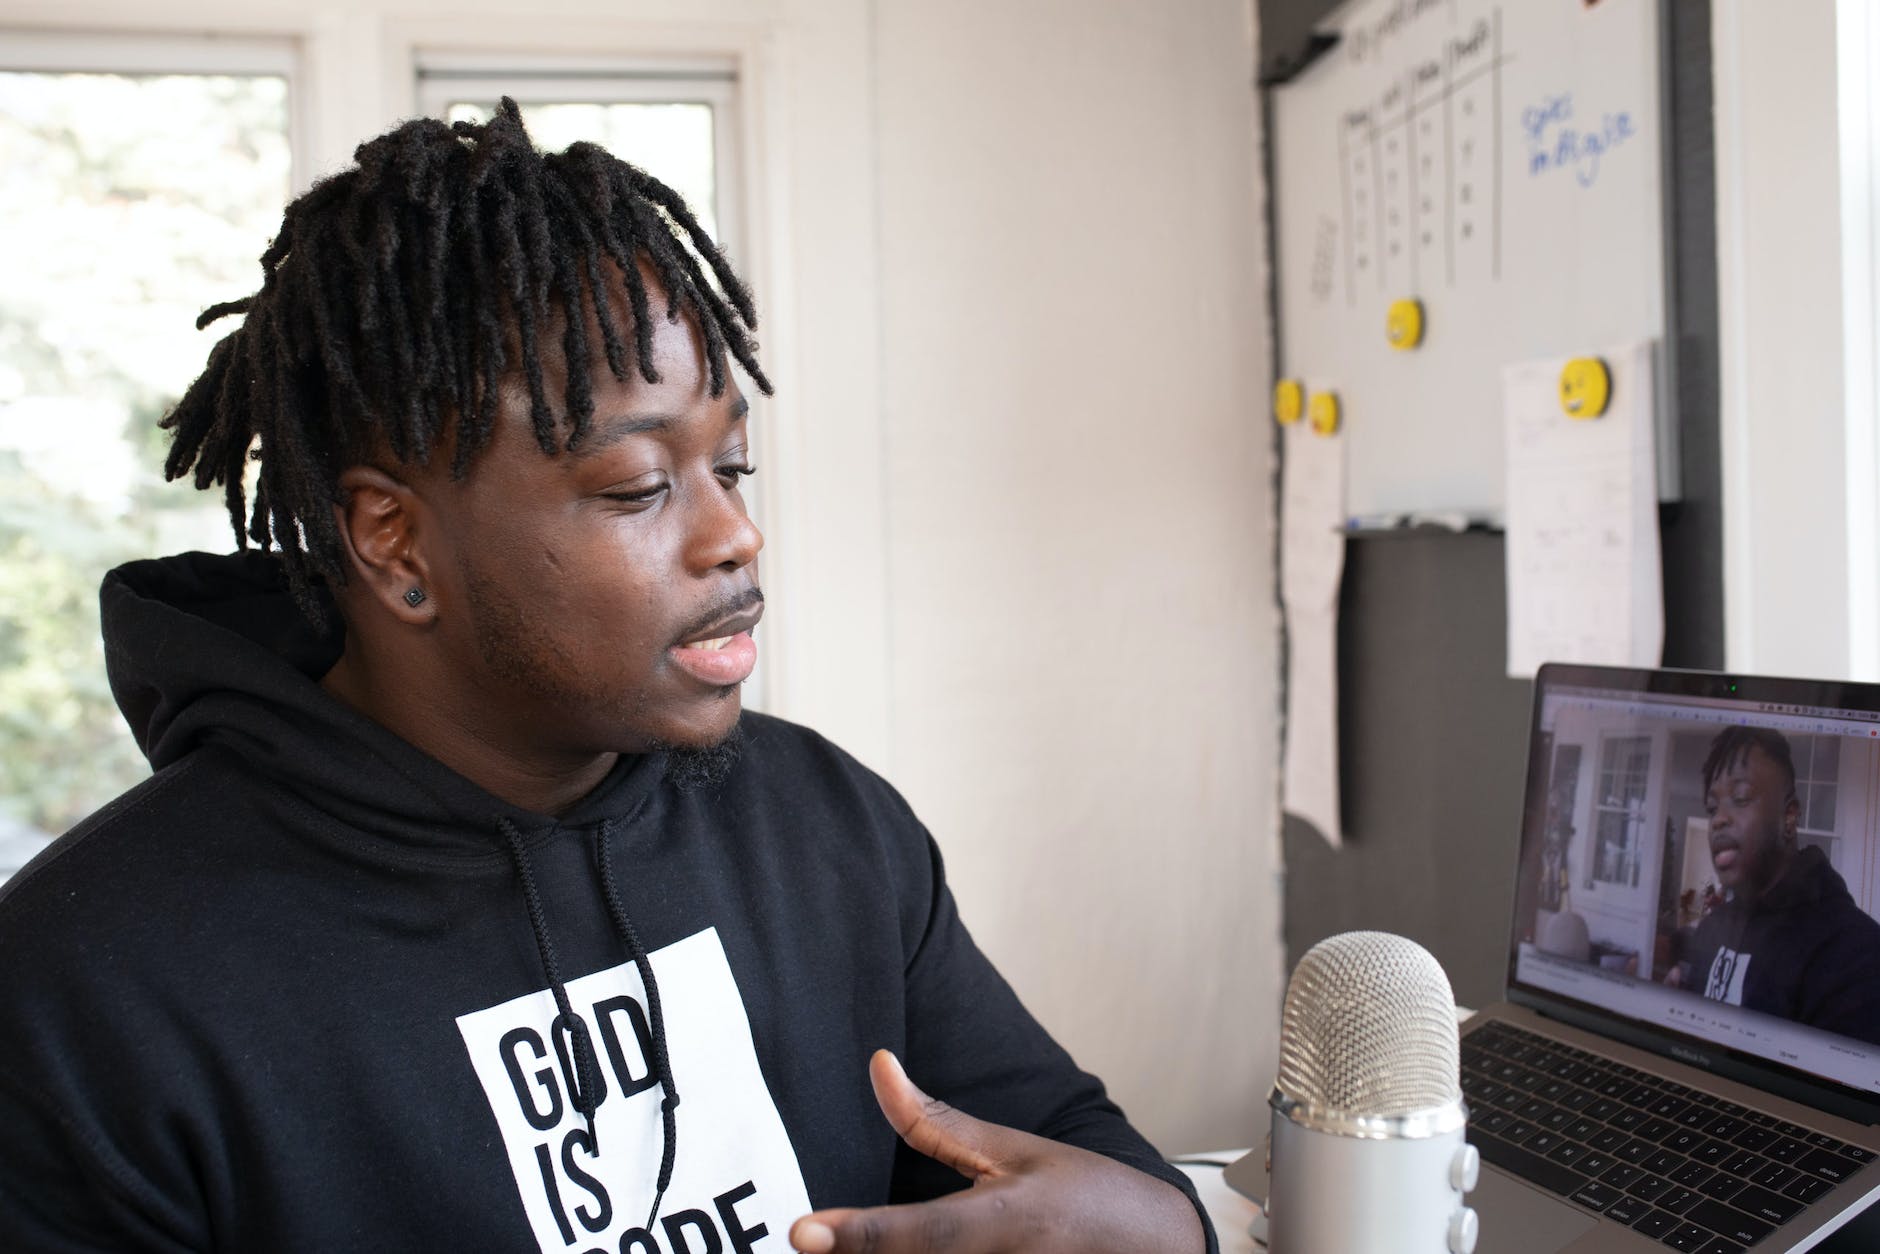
x,y
1701,855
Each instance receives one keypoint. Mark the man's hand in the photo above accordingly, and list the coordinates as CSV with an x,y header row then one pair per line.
x,y
1028,1193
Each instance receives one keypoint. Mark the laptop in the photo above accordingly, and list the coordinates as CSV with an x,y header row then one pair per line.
x,y
1688,1053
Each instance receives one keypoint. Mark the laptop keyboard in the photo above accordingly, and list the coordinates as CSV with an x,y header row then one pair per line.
x,y
1688,1169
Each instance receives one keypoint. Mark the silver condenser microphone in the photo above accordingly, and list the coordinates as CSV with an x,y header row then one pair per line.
x,y
1368,1155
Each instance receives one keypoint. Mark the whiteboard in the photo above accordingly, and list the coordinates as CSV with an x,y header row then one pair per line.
x,y
1502,164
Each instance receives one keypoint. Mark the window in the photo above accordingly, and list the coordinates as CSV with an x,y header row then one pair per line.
x,y
143,181
1619,810
145,175
1817,789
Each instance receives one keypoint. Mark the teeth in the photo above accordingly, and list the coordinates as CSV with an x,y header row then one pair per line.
x,y
713,645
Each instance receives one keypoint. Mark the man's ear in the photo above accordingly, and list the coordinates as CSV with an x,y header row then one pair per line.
x,y
378,518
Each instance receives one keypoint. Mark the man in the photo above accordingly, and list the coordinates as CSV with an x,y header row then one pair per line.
x,y
1788,939
461,866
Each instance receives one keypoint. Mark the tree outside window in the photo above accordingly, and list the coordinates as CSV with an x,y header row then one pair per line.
x,y
131,202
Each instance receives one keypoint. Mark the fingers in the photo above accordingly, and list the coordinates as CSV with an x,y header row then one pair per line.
x,y
955,1223
970,1146
962,1222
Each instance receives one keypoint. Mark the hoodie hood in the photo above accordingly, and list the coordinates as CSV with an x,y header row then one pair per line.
x,y
1811,882
208,652
211,651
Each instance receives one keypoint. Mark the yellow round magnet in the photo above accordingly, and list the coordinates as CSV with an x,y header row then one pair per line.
x,y
1289,401
1323,412
1585,387
1403,324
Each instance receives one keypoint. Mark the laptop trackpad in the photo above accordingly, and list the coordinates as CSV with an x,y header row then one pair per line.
x,y
1518,1219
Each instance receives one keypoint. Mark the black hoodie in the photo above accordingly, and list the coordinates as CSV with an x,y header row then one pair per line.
x,y
300,989
1803,950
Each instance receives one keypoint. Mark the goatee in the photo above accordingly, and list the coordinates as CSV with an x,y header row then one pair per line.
x,y
691,770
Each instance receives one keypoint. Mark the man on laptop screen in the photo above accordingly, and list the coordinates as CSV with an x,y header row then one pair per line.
x,y
1709,865
1786,938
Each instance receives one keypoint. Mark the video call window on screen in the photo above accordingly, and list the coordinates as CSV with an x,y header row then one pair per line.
x,y
1711,853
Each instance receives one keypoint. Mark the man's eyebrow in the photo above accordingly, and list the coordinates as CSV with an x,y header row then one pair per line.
x,y
604,434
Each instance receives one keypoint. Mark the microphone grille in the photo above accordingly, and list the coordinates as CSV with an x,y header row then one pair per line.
x,y
1369,1028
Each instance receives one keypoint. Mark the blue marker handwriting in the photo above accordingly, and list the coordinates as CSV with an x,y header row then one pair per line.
x,y
1556,140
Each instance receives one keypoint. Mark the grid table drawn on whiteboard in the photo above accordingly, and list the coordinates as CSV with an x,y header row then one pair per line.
x,y
1496,163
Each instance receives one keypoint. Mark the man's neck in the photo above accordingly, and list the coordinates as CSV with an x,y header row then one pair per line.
x,y
543,783
1785,862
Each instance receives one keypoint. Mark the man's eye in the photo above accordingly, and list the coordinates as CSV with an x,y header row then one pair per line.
x,y
731,474
640,496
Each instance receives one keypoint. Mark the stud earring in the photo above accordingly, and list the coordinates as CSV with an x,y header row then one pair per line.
x,y
415,597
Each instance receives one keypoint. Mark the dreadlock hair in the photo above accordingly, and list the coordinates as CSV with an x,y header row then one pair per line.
x,y
387,308
1733,744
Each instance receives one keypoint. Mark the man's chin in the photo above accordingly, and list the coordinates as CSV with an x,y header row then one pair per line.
x,y
692,767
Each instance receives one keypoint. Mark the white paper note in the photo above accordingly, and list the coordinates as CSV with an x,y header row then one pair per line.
x,y
1584,581
1312,564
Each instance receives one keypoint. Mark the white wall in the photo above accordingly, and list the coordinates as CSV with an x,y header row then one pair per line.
x,y
1799,576
1076,464
1008,258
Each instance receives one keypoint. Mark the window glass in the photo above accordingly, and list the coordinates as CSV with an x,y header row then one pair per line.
x,y
1624,774
130,203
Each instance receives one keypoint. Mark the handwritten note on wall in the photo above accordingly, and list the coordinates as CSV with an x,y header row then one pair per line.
x,y
1312,566
1559,141
1584,580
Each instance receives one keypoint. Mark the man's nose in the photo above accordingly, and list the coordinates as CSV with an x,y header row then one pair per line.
x,y
724,535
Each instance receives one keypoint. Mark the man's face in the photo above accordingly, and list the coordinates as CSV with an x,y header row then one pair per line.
x,y
572,583
1753,814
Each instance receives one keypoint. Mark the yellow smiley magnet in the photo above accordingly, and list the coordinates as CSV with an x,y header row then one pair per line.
x,y
1585,387
1323,412
1289,401
1403,324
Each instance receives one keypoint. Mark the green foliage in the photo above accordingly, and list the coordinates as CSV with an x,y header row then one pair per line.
x,y
62,743
130,204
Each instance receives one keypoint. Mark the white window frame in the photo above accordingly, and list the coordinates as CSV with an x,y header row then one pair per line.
x,y
1807,781
111,52
81,51
1632,810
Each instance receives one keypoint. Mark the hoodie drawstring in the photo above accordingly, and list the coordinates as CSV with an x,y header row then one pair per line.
x,y
585,1063
662,1063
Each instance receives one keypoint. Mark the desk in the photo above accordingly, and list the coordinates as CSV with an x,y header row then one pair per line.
x,y
1232,1213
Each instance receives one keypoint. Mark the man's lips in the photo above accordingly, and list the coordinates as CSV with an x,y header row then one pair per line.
x,y
1723,852
720,662
723,653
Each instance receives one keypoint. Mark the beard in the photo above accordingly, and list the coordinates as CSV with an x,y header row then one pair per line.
x,y
695,770
518,653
